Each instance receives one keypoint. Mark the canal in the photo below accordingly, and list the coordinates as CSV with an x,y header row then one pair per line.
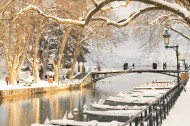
x,y
23,111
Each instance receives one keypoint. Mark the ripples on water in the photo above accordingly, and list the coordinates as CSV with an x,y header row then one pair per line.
x,y
23,111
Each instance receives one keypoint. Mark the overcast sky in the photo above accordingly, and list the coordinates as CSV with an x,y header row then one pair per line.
x,y
129,51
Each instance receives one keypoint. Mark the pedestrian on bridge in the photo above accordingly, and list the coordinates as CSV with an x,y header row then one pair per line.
x,y
164,66
154,65
125,66
133,66
99,68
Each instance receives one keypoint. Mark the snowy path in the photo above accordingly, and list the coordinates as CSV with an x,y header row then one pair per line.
x,y
3,85
180,113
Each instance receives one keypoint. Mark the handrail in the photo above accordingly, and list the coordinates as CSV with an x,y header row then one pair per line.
x,y
164,99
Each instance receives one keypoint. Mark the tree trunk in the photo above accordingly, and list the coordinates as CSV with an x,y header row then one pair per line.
x,y
12,77
61,49
36,73
44,70
74,61
56,74
45,61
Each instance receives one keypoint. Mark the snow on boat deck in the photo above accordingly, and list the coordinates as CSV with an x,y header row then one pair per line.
x,y
81,123
118,107
131,99
156,86
118,113
140,94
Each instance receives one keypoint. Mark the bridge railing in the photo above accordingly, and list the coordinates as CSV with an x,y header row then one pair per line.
x,y
74,81
104,69
140,67
111,69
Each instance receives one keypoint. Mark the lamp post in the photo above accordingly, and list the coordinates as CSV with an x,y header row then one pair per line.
x,y
166,42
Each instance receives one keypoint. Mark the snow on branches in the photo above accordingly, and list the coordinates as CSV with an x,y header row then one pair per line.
x,y
104,5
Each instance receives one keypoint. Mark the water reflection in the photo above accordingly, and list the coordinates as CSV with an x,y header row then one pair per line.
x,y
23,111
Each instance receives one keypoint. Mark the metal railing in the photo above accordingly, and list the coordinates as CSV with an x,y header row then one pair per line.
x,y
139,67
74,81
156,112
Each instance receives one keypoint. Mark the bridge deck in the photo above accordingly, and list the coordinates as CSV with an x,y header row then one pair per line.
x,y
105,73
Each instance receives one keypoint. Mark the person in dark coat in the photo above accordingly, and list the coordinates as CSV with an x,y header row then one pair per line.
x,y
164,66
133,66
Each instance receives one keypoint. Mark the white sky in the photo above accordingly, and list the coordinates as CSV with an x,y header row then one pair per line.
x,y
129,51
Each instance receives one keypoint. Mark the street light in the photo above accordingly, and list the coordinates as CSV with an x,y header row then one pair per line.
x,y
166,38
166,42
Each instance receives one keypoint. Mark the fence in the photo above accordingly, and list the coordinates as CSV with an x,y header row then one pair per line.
x,y
155,113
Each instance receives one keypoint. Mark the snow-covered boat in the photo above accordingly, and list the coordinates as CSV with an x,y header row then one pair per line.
x,y
148,91
36,124
151,87
68,122
139,94
155,86
117,107
46,123
119,115
62,122
139,101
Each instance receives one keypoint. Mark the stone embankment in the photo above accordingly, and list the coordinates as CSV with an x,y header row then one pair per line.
x,y
21,90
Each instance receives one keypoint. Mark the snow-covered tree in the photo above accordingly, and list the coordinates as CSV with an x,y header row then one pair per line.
x,y
32,54
75,13
177,7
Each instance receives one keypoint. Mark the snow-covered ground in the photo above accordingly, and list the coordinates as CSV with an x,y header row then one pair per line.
x,y
180,113
4,86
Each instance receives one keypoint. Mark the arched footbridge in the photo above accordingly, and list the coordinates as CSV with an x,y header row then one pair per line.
x,y
99,74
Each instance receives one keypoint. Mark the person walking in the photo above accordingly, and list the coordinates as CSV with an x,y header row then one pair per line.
x,y
125,66
7,80
133,66
17,80
154,65
164,66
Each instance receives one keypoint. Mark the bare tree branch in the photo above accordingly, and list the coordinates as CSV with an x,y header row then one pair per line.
x,y
175,8
179,32
125,22
159,5
2,8
117,6
60,20
160,18
96,9
94,2
184,23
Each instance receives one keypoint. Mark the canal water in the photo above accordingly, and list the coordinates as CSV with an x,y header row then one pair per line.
x,y
23,111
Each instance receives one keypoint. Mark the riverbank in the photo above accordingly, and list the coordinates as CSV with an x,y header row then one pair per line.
x,y
179,114
8,91
23,89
